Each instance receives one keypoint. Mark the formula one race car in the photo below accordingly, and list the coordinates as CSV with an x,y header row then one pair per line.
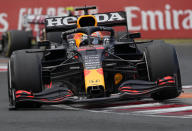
x,y
92,66
26,38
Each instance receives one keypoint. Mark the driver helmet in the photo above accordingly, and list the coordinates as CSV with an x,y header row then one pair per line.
x,y
79,37
97,36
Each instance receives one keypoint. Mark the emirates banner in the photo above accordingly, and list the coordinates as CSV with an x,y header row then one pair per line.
x,y
153,18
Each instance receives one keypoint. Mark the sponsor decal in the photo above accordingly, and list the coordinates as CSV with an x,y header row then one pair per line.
x,y
4,25
38,15
92,61
101,18
166,19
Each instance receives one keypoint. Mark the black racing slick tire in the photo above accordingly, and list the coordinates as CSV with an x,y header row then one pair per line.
x,y
24,73
15,40
161,60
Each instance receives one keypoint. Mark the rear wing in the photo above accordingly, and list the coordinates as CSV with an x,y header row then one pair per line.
x,y
27,20
110,19
35,19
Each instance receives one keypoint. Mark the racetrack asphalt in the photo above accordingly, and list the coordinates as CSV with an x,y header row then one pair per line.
x,y
126,116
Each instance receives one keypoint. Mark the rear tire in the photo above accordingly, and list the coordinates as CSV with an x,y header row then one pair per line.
x,y
162,61
24,73
15,40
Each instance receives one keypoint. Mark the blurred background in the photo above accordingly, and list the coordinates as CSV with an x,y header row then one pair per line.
x,y
155,19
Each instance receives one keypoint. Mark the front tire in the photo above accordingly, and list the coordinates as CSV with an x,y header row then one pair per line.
x,y
24,73
161,59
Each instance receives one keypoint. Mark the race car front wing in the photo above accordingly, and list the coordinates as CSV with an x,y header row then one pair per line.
x,y
131,89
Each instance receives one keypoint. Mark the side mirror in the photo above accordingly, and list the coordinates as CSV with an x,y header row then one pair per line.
x,y
135,35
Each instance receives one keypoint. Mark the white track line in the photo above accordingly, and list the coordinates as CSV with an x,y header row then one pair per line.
x,y
187,87
158,111
3,66
65,107
139,114
134,106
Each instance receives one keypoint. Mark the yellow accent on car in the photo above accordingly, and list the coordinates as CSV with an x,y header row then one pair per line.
x,y
86,20
118,77
94,77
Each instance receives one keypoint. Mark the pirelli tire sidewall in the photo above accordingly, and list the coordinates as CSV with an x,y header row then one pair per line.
x,y
10,90
25,71
16,40
161,59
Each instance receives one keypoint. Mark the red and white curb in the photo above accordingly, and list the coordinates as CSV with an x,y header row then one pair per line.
x,y
150,109
187,86
154,109
3,67
166,110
